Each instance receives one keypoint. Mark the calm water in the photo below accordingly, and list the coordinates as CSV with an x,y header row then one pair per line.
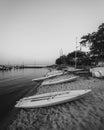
x,y
15,84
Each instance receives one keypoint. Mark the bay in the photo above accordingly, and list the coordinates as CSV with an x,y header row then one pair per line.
x,y
14,85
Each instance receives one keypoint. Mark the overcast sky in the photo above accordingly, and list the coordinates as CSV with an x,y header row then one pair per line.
x,y
34,31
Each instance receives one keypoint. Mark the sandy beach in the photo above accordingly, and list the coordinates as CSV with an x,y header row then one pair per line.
x,y
86,113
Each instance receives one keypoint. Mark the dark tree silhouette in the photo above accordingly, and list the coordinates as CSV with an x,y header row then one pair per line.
x,y
58,61
61,60
79,54
95,42
81,58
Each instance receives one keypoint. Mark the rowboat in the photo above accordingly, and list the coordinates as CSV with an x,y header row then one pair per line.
x,y
50,99
51,82
49,75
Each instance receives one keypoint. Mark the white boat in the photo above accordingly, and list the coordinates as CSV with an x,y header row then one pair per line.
x,y
49,75
72,69
54,72
97,72
43,95
51,82
53,99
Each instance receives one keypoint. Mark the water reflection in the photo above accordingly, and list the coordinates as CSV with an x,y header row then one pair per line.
x,y
15,84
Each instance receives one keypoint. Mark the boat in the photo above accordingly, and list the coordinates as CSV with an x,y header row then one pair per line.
x,y
97,72
49,75
43,95
51,82
44,100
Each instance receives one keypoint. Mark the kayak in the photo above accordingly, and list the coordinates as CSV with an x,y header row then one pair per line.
x,y
50,99
51,82
49,75
44,95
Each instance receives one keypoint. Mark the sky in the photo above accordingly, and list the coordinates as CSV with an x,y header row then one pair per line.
x,y
34,31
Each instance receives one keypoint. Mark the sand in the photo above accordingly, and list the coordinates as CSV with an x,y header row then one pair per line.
x,y
86,113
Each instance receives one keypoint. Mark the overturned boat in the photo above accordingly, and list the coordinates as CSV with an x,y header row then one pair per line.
x,y
51,82
49,99
50,75
97,72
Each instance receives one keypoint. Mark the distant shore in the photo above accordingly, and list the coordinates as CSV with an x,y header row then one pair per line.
x,y
85,113
10,67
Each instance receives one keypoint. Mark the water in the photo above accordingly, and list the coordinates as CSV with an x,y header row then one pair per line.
x,y
15,84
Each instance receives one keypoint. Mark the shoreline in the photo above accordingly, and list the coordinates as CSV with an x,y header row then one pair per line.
x,y
84,113
12,113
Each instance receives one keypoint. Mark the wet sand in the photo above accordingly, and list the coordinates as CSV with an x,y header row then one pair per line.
x,y
86,113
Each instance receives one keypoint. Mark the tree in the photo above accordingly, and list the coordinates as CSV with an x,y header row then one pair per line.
x,y
61,60
58,61
81,58
95,41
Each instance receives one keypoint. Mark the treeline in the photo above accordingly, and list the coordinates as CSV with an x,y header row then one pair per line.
x,y
78,57
95,42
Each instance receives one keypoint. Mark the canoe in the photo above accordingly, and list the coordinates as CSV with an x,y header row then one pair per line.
x,y
51,82
49,76
54,99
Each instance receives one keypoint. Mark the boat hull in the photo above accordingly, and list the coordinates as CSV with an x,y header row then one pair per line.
x,y
59,81
53,99
47,77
